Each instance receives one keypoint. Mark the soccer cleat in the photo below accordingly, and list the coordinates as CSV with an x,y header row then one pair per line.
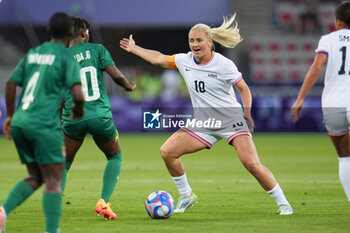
x,y
285,210
99,206
185,202
2,219
103,208
108,212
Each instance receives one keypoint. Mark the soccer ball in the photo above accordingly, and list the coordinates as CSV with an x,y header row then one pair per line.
x,y
159,205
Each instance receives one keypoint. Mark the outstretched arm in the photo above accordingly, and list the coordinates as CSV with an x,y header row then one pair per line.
x,y
119,78
309,81
246,96
152,56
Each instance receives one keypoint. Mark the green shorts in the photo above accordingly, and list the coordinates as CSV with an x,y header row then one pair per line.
x,y
43,146
102,129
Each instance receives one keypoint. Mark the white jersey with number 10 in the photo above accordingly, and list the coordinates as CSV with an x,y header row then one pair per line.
x,y
209,84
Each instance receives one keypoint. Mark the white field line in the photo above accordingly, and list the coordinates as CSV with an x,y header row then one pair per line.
x,y
304,181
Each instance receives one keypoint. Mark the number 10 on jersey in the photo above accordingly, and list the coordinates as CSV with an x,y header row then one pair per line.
x,y
199,86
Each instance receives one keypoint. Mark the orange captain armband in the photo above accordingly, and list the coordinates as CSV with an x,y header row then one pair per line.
x,y
170,60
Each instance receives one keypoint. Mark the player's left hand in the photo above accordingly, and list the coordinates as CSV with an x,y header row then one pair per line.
x,y
7,128
127,44
77,112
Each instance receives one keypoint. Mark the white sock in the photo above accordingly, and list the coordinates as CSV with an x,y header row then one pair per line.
x,y
4,211
344,174
277,194
182,185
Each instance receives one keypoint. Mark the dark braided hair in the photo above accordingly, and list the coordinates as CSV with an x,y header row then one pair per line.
x,y
342,12
79,23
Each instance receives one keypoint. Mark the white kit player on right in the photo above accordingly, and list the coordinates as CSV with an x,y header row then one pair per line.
x,y
333,51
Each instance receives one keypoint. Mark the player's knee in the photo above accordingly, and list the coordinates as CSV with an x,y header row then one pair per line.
x,y
34,181
114,149
110,149
117,156
252,166
53,185
166,153
163,152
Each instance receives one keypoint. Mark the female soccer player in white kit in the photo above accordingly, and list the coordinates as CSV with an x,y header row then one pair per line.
x,y
334,50
210,78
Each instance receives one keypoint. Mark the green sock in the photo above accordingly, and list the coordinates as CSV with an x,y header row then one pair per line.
x,y
19,193
52,205
111,175
67,166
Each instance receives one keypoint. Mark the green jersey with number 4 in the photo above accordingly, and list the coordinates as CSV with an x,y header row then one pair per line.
x,y
93,59
45,73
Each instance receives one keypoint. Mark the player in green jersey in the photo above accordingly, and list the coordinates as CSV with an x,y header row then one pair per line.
x,y
94,59
45,73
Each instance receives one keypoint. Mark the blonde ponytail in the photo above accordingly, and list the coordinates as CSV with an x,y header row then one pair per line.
x,y
226,35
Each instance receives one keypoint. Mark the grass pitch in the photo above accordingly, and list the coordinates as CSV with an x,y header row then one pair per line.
x,y
230,200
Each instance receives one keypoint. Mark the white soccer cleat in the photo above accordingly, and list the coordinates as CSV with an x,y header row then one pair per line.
x,y
185,202
285,210
2,219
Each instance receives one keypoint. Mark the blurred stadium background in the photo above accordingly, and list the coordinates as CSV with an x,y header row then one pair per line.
x,y
278,47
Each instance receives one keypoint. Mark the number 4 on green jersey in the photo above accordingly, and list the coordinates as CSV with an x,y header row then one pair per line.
x,y
28,96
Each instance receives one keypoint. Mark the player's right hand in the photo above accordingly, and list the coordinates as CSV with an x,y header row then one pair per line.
x,y
295,110
250,122
132,87
7,128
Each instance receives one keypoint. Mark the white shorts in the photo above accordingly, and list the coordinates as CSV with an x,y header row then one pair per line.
x,y
210,136
336,121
